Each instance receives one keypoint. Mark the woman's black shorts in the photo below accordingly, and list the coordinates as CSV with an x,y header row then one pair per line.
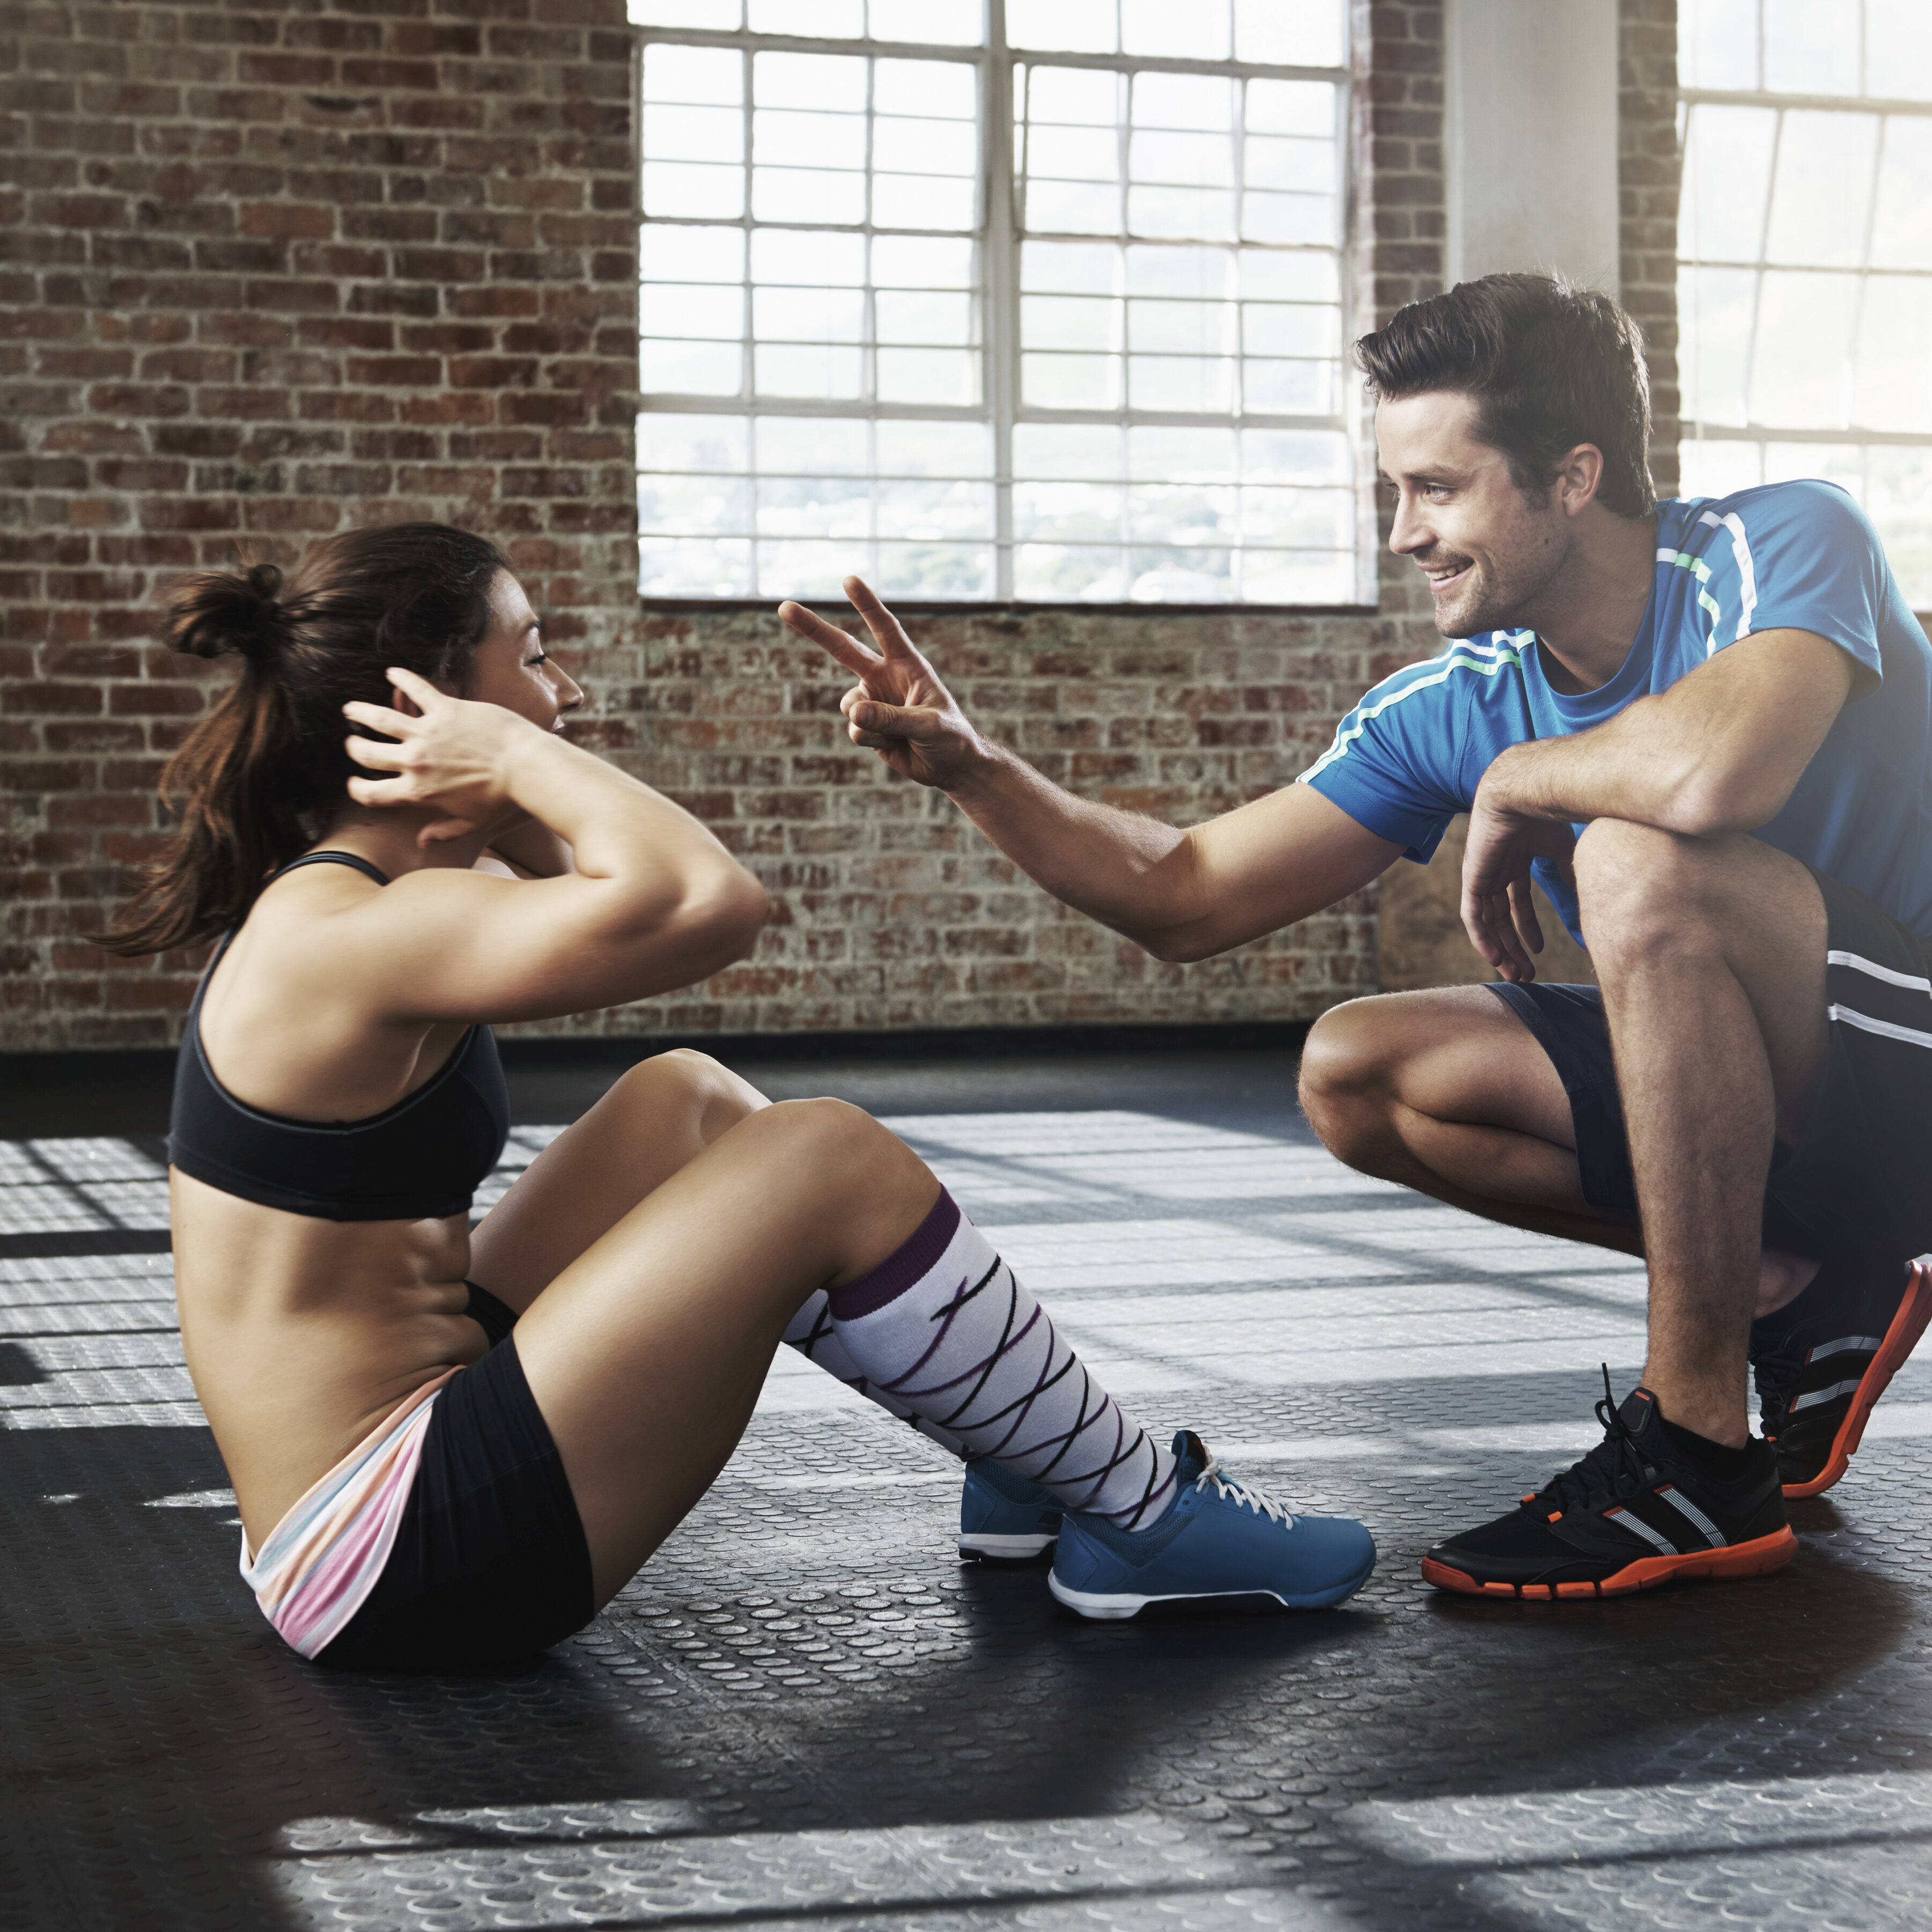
x,y
1857,1184
489,1565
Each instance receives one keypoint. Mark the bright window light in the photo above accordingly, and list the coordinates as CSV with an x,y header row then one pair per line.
x,y
1805,244
1043,300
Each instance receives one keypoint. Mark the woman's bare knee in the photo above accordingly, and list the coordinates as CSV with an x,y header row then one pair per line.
x,y
715,1097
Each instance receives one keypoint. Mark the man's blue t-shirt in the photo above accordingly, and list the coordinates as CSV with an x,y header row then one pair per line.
x,y
1788,556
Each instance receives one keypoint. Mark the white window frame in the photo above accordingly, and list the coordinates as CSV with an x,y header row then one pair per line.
x,y
1000,235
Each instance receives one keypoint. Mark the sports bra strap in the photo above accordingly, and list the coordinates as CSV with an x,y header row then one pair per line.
x,y
334,858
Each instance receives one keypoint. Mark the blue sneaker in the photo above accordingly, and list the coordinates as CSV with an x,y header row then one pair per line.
x,y
1218,1538
1005,1517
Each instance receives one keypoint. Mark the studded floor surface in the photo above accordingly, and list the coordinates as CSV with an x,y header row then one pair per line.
x,y
808,1712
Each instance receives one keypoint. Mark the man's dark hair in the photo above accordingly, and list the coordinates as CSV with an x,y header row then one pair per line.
x,y
1549,366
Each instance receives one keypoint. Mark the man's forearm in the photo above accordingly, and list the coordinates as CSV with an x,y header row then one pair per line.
x,y
1130,873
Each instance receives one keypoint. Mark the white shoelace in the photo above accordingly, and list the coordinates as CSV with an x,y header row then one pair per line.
x,y
1240,1493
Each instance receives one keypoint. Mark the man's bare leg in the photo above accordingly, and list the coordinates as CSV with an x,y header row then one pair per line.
x,y
1448,1092
1711,955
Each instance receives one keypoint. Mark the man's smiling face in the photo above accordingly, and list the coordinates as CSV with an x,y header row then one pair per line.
x,y
1487,550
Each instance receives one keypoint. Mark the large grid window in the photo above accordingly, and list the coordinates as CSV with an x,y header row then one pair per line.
x,y
1039,299
1805,245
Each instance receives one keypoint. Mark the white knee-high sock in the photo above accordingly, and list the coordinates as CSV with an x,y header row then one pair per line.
x,y
811,1333
943,1326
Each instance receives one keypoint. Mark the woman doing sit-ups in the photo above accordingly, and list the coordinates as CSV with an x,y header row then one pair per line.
x,y
450,1447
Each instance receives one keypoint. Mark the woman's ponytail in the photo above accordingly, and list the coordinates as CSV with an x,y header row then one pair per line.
x,y
258,779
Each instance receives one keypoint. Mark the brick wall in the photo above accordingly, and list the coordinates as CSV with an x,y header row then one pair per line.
x,y
1648,168
273,270
276,270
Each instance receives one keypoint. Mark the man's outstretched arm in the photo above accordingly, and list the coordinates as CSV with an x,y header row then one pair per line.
x,y
1719,751
1181,895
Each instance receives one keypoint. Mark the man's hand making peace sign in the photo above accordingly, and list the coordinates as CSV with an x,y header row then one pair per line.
x,y
898,708
1181,895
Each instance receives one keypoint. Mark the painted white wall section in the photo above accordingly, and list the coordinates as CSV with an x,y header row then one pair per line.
x,y
1532,134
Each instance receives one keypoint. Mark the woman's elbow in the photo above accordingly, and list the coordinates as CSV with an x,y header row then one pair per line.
x,y
729,915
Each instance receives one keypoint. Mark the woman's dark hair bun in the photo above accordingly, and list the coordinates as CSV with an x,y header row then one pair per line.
x,y
216,614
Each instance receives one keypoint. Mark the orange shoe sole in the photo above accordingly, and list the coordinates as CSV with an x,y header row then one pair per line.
x,y
1915,1311
1757,1558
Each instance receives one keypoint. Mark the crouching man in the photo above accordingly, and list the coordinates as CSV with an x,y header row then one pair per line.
x,y
1703,727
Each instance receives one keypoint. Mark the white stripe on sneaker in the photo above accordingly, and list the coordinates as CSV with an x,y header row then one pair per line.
x,y
1686,1508
1630,1521
1870,1343
1831,1394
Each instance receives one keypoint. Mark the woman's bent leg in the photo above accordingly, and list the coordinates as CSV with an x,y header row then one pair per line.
x,y
657,1117
646,1354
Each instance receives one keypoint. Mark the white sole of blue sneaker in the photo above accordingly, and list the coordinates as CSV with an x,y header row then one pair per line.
x,y
1113,1608
1008,1548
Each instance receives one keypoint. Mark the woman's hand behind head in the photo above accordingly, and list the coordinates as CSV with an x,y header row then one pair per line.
x,y
451,754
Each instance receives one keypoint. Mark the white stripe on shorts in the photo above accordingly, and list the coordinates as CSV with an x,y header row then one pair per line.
x,y
1866,1023
1860,964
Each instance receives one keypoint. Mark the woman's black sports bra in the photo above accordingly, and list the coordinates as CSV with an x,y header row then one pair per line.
x,y
423,1158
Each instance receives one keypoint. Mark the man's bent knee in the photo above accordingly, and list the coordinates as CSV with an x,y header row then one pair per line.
x,y
1344,1089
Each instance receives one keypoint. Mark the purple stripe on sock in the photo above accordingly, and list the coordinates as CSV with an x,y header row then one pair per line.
x,y
907,1263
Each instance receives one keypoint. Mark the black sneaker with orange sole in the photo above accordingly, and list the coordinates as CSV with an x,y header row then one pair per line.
x,y
1821,1365
1635,1512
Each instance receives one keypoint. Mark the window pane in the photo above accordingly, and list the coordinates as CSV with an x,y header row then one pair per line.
x,y
834,19
901,146
924,201
669,253
1304,107
1203,161
1074,154
1823,188
1810,49
907,317
1717,43
1893,390
1180,211
1199,101
1052,574
1068,208
1708,469
1289,389
692,443
1290,219
1727,177
698,309
1199,328
827,83
1067,450
1716,312
935,449
1902,222
1899,487
829,374
1077,268
1181,576
812,445
807,194
1195,383
927,511
1070,321
948,570
785,138
1298,578
1079,97
1800,373
937,90
1050,382
692,368
694,505
1157,451
1197,31
722,17
1294,456
1067,512
823,261
693,133
912,262
694,192
803,569
1290,33
1303,276
1898,48
957,23
694,567
688,76
1276,328
1071,26
929,376
809,315
1270,162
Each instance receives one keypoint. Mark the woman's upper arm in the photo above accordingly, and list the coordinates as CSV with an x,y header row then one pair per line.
x,y
448,945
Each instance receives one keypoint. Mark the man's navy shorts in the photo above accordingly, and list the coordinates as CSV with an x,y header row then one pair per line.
x,y
1858,1183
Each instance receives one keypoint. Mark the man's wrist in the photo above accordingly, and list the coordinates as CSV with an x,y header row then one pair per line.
x,y
977,774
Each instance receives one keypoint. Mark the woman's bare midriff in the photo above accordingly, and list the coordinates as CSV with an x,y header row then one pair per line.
x,y
302,1335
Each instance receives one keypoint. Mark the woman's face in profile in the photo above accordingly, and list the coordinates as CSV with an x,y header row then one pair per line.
x,y
511,668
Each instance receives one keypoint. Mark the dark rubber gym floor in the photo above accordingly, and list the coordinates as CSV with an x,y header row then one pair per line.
x,y
807,1711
